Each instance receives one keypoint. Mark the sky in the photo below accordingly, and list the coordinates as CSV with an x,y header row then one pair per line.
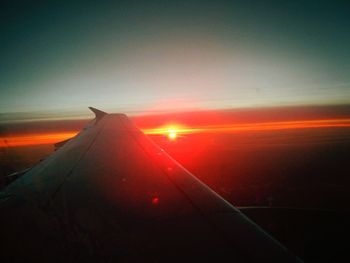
x,y
151,56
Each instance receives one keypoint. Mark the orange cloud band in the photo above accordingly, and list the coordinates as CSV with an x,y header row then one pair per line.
x,y
51,138
35,139
262,126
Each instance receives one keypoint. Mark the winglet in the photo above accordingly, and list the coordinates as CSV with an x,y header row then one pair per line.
x,y
98,113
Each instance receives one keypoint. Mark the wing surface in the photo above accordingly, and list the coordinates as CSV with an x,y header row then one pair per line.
x,y
110,194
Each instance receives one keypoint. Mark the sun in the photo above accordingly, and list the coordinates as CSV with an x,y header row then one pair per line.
x,y
172,134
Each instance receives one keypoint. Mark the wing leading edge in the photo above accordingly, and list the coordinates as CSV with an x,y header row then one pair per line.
x,y
111,194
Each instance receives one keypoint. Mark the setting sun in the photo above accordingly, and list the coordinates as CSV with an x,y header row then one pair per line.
x,y
172,134
170,131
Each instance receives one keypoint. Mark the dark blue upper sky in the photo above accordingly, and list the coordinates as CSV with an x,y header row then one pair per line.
x,y
156,55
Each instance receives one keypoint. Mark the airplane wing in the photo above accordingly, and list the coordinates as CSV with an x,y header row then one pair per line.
x,y
110,194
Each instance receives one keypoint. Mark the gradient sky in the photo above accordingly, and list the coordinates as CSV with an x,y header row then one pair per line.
x,y
170,55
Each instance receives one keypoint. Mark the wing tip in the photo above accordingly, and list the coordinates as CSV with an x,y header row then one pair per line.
x,y
98,113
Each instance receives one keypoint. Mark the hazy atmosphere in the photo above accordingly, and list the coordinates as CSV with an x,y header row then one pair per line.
x,y
169,55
